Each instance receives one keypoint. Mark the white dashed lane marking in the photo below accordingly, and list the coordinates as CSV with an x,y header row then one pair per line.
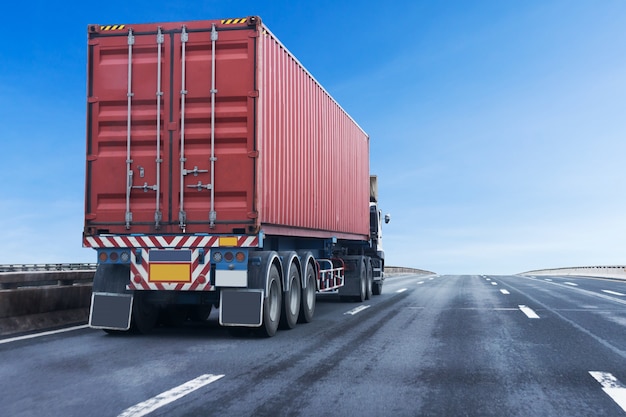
x,y
357,310
614,293
505,292
571,283
170,396
32,336
529,312
612,387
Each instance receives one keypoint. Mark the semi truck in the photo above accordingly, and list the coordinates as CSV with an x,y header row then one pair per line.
x,y
221,174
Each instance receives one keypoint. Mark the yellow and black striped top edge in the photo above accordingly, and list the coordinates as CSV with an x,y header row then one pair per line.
x,y
223,21
234,21
112,27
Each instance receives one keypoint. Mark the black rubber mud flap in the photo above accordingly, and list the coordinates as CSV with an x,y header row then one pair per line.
x,y
111,302
354,288
110,311
241,308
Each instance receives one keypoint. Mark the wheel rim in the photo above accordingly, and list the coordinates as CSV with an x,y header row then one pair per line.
x,y
363,285
293,298
310,291
273,300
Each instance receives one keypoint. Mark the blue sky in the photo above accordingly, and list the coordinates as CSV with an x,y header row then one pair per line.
x,y
497,128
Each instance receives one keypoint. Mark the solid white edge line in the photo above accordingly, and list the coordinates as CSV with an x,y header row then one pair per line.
x,y
614,293
167,397
528,311
612,387
48,333
505,292
357,310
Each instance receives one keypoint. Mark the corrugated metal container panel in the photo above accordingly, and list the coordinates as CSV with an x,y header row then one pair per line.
x,y
314,160
173,115
287,157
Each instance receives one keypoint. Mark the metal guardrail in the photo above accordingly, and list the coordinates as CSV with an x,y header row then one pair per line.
x,y
590,271
47,267
44,295
389,270
16,276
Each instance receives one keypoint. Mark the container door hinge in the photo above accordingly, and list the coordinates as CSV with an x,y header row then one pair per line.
x,y
182,219
212,219
158,216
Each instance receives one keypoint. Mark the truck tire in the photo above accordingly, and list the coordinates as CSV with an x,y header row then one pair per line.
x,y
307,304
272,303
370,279
363,285
355,287
291,300
145,314
377,288
200,313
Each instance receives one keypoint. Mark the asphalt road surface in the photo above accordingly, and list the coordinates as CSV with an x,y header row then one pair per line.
x,y
428,346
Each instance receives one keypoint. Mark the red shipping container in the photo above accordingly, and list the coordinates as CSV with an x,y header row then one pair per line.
x,y
215,127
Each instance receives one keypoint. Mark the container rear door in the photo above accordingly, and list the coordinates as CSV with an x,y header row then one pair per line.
x,y
170,141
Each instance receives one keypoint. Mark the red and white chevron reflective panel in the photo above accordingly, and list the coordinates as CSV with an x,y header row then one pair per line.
x,y
140,271
140,277
165,241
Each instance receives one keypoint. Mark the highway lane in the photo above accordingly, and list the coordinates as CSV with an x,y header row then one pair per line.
x,y
428,346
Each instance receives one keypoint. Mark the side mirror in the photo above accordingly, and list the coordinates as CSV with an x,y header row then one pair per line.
x,y
387,218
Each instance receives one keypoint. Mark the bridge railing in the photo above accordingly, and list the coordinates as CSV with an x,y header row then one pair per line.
x,y
588,271
46,267
34,275
41,296
392,270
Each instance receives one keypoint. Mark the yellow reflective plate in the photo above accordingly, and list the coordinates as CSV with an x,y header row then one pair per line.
x,y
228,241
162,272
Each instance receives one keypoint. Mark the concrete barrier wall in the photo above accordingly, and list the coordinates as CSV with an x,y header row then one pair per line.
x,y
39,300
392,270
618,272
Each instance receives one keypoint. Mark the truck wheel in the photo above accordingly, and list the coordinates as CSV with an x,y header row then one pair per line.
x,y
291,301
307,305
114,332
370,279
362,284
145,314
377,288
201,313
272,304
173,315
